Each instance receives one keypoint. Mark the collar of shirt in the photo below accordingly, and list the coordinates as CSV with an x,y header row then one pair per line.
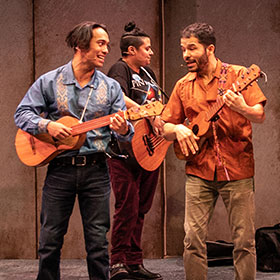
x,y
69,78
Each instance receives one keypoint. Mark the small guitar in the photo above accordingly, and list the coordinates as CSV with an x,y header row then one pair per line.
x,y
38,150
201,123
149,149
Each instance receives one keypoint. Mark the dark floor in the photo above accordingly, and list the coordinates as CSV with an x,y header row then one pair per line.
x,y
170,269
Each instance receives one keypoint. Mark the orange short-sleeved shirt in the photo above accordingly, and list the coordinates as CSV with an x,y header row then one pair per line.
x,y
189,97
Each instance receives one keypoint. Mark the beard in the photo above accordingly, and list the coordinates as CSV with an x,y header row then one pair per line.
x,y
201,63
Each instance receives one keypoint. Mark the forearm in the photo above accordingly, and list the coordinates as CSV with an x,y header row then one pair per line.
x,y
253,113
169,131
30,122
237,103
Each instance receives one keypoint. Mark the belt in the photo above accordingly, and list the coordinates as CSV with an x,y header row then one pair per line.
x,y
79,160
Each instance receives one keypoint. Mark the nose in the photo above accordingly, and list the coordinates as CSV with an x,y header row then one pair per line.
x,y
106,49
186,54
151,52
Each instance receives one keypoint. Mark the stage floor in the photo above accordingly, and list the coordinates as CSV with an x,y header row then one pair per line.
x,y
169,268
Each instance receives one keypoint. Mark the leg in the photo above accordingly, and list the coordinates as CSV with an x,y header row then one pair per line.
x,y
238,197
201,198
126,191
148,182
57,204
94,200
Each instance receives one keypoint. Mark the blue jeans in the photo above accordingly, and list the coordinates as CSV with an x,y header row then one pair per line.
x,y
92,185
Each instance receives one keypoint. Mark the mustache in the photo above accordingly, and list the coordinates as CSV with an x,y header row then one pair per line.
x,y
186,62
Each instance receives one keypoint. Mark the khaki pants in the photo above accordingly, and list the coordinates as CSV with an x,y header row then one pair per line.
x,y
201,197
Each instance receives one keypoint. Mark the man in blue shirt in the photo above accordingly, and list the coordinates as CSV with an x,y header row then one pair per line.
x,y
79,90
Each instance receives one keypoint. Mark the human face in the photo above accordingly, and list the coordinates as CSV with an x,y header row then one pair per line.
x,y
98,49
144,53
194,54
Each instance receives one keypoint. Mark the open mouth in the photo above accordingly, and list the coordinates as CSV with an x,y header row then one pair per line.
x,y
101,57
190,63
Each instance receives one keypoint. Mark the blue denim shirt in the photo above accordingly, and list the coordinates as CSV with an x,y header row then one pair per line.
x,y
57,94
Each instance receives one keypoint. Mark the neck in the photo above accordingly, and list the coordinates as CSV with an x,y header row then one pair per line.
x,y
81,71
210,69
129,62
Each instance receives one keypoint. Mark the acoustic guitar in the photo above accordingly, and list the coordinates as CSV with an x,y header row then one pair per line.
x,y
148,148
40,149
201,123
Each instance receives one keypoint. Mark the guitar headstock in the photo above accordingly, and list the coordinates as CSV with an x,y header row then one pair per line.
x,y
151,109
252,73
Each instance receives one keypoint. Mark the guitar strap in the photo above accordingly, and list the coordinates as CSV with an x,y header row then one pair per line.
x,y
221,89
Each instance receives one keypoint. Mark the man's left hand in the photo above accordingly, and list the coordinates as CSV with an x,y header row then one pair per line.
x,y
235,101
119,124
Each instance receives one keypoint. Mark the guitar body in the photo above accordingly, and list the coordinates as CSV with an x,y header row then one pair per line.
x,y
149,149
38,150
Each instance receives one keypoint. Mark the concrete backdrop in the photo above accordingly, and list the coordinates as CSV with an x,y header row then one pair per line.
x,y
32,43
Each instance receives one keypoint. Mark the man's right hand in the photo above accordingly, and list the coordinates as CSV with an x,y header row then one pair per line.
x,y
58,130
186,139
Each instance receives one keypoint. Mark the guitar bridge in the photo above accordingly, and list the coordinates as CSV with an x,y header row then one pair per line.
x,y
32,144
149,145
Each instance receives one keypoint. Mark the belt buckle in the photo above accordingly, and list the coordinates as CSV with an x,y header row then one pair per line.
x,y
84,159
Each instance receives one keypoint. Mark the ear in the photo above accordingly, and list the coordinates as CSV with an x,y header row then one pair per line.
x,y
210,49
131,50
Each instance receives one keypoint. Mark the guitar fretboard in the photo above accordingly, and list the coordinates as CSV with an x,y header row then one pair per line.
x,y
94,124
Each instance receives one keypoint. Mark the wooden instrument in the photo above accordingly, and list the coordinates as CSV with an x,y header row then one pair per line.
x,y
149,149
40,149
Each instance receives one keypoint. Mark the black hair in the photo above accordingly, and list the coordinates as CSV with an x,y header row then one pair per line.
x,y
202,31
133,36
81,35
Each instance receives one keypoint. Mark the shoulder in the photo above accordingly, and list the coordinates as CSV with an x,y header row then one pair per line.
x,y
150,71
54,74
119,68
242,73
107,80
236,68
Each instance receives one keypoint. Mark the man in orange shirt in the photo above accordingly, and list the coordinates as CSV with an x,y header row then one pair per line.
x,y
224,163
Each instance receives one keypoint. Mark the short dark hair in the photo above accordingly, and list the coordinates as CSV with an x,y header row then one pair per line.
x,y
81,35
133,36
202,31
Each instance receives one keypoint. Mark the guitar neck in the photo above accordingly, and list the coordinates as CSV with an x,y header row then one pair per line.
x,y
241,83
94,124
135,113
215,108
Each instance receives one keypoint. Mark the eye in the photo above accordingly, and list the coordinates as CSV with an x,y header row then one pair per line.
x,y
103,44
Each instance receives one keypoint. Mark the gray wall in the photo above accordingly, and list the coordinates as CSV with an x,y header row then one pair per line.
x,y
248,32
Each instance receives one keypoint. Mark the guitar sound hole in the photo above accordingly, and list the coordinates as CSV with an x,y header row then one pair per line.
x,y
195,129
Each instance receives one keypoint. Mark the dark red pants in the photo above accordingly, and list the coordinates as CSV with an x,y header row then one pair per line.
x,y
134,189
